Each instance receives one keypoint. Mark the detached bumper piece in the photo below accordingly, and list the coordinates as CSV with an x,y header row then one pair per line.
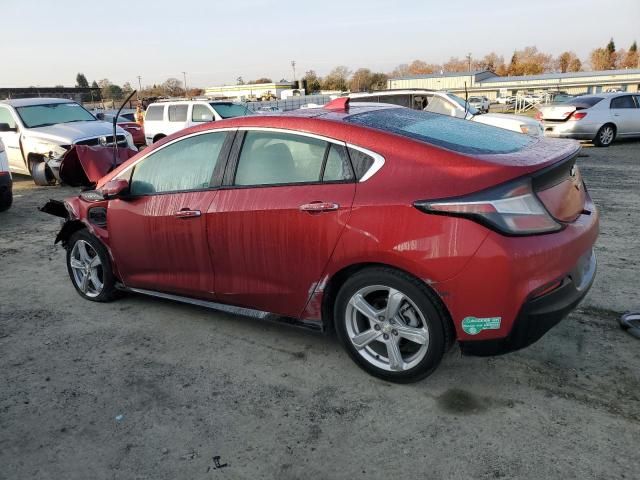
x,y
541,314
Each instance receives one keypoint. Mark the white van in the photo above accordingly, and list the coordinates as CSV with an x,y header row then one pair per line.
x,y
164,118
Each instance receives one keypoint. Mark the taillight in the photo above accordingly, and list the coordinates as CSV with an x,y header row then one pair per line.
x,y
578,115
511,209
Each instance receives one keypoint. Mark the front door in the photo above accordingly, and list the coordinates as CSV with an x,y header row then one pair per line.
x,y
273,228
158,235
11,140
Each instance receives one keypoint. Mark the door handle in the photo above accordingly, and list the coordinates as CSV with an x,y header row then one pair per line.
x,y
317,207
186,213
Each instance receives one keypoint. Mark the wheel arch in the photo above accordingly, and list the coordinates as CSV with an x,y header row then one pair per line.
x,y
158,137
335,282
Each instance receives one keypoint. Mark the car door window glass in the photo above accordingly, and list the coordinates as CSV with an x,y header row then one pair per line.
x,y
6,117
338,166
626,101
269,158
201,113
361,162
178,113
154,113
184,165
441,106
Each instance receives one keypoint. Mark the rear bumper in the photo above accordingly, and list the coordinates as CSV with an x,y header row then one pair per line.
x,y
540,314
571,129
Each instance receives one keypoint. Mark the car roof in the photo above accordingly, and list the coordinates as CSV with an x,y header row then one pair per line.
x,y
26,102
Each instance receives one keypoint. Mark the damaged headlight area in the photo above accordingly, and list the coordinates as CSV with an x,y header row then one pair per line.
x,y
43,147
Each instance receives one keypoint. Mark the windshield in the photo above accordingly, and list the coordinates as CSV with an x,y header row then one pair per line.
x,y
472,110
50,114
229,110
455,134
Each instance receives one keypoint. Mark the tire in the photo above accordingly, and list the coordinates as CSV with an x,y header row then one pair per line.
x,y
42,174
100,282
6,199
382,336
605,136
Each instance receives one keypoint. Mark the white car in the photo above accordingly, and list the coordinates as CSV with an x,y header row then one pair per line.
x,y
164,118
481,103
6,183
446,103
37,132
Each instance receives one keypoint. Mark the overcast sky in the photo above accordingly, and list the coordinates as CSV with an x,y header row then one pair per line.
x,y
46,43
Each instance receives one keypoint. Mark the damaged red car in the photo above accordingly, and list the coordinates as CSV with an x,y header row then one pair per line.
x,y
402,231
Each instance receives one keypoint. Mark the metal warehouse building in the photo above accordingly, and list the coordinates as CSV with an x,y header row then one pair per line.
x,y
248,91
491,85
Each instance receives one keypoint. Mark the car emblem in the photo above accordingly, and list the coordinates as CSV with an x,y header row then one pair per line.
x,y
103,141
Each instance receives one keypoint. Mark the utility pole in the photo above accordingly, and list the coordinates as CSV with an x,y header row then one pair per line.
x,y
184,74
293,66
469,60
139,86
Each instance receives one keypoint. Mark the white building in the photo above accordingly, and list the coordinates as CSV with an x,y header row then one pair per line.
x,y
253,91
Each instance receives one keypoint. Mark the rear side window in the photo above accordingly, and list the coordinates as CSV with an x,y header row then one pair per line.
x,y
463,136
337,167
6,117
182,166
270,158
178,113
201,113
154,113
626,101
361,162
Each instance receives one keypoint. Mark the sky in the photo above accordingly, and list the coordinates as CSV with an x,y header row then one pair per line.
x,y
46,42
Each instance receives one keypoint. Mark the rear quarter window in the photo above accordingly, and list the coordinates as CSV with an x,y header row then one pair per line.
x,y
462,136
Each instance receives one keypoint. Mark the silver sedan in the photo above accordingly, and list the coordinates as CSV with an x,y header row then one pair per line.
x,y
600,118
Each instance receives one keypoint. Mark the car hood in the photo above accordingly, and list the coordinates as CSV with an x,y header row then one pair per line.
x,y
68,133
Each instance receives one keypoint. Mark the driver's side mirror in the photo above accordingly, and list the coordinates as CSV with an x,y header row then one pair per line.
x,y
115,188
5,127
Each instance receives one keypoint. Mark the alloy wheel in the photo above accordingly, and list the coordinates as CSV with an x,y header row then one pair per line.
x,y
606,135
387,328
86,267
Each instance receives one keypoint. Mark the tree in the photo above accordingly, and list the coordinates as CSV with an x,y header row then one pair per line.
x,y
530,61
126,88
564,60
313,81
492,62
601,59
337,79
575,65
378,81
418,67
401,70
239,81
81,81
455,64
360,80
173,87
611,46
262,80
630,58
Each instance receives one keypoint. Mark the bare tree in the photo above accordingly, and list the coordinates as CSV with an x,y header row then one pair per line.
x,y
173,87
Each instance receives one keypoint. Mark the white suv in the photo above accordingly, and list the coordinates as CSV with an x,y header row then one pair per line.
x,y
37,132
164,118
446,103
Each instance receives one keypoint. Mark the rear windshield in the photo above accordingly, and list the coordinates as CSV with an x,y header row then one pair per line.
x,y
463,136
584,102
229,110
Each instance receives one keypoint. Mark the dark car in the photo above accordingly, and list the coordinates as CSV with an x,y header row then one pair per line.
x,y
403,230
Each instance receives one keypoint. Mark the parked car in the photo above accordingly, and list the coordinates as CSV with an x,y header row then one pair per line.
x,y
164,118
506,100
600,118
480,103
380,222
270,109
6,183
446,103
135,129
37,132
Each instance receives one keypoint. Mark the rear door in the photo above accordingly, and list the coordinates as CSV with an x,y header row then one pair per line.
x,y
11,140
624,114
275,223
158,234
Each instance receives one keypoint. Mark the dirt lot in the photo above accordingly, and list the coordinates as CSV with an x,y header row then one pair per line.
x,y
148,389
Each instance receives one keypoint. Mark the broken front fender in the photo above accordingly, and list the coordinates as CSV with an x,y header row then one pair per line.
x,y
63,210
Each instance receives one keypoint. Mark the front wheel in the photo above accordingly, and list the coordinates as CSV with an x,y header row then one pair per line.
x,y
605,136
89,267
391,324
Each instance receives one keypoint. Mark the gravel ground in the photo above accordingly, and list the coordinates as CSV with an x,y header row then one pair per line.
x,y
148,389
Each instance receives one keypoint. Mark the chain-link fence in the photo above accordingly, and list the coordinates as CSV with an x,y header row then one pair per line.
x,y
291,103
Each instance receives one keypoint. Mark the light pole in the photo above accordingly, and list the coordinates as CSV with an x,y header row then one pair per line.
x,y
139,86
469,60
184,74
293,66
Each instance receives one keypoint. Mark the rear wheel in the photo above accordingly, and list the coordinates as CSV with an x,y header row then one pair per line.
x,y
391,324
605,136
89,267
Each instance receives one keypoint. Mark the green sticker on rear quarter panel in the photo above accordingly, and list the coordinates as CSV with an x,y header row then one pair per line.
x,y
474,325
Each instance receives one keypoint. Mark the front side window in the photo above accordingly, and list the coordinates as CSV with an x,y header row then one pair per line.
x,y
54,113
230,110
201,113
270,158
182,166
178,113
626,101
154,113
6,117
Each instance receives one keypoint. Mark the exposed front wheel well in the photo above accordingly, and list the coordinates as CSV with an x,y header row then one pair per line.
x,y
334,284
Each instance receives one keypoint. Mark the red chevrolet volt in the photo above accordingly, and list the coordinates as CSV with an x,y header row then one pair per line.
x,y
403,231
